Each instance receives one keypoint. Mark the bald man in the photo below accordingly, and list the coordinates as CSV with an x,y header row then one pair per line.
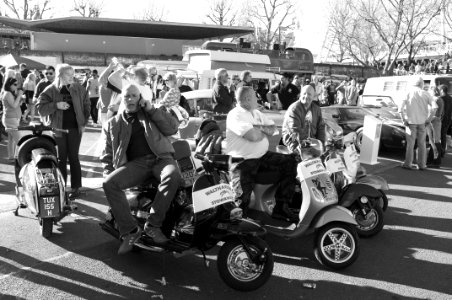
x,y
137,148
247,131
296,121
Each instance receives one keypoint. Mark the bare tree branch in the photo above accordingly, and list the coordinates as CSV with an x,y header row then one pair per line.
x,y
88,8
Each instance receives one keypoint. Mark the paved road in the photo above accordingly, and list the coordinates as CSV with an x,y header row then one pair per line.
x,y
410,258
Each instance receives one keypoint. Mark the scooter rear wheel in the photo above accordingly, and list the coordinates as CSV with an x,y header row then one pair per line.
x,y
337,245
46,227
238,270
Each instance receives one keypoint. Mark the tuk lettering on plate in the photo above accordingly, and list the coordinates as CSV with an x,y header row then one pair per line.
x,y
212,196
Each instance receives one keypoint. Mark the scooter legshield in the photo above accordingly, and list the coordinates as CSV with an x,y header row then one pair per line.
x,y
334,213
355,191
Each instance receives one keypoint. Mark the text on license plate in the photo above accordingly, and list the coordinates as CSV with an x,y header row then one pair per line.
x,y
49,206
188,177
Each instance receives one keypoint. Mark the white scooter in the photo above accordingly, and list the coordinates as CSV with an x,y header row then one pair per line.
x,y
361,199
336,240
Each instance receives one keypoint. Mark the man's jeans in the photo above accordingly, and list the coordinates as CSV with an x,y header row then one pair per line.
x,y
134,173
415,132
283,169
444,127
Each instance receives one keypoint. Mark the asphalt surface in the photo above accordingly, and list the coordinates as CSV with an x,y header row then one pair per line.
x,y
410,259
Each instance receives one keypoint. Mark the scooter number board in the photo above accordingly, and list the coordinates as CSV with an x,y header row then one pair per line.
x,y
313,174
212,197
310,168
49,207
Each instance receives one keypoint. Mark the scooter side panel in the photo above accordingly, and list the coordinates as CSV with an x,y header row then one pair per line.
x,y
375,181
355,191
334,213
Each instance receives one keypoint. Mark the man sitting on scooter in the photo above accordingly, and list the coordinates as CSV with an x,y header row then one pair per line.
x,y
136,148
246,137
302,120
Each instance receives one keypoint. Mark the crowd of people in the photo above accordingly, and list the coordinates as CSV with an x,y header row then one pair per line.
x,y
423,67
140,112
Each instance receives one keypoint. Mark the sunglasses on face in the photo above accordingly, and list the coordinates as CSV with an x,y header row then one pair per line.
x,y
14,84
49,73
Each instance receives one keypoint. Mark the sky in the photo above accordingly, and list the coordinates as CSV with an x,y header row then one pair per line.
x,y
313,15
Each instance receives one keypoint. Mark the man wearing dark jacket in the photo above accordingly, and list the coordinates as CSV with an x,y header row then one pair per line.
x,y
137,148
447,116
287,92
222,95
302,120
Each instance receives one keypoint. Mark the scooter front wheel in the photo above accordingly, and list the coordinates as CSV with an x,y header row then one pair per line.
x,y
237,268
337,245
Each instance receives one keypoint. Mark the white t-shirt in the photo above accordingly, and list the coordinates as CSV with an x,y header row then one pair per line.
x,y
239,122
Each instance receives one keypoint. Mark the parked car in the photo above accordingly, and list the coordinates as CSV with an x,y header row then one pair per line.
x,y
351,118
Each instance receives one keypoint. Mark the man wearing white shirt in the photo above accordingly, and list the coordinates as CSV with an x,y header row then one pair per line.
x,y
246,137
417,109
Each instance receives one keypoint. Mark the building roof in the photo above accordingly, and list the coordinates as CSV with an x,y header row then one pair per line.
x,y
126,27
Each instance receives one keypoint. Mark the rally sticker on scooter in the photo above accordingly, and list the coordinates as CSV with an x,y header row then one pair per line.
x,y
212,197
335,165
310,168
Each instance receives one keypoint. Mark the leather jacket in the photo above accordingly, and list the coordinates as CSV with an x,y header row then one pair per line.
x,y
158,125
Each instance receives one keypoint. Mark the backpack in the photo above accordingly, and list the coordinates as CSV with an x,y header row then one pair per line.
x,y
209,138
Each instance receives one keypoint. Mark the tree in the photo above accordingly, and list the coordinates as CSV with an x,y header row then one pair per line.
x,y
270,18
154,13
222,12
27,9
351,37
398,23
88,8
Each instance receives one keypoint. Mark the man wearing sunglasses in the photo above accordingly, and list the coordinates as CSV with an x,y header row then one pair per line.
x,y
41,86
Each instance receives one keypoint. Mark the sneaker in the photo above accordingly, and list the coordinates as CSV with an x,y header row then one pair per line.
x,y
408,167
129,240
155,233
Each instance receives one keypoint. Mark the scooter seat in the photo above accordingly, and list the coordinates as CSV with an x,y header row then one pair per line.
x,y
41,154
267,177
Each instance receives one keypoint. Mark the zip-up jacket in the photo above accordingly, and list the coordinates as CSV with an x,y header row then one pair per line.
x,y
158,124
47,105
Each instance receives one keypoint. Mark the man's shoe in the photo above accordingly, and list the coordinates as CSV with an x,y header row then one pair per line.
x,y
282,211
74,194
129,240
155,233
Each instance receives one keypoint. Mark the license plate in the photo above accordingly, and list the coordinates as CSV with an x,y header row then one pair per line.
x,y
49,207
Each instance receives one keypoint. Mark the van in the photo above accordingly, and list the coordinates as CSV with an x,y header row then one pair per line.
x,y
203,63
390,90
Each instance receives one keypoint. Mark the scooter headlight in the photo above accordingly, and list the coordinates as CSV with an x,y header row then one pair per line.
x,y
364,200
236,214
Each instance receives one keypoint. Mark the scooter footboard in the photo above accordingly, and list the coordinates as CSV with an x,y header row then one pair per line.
x,y
334,213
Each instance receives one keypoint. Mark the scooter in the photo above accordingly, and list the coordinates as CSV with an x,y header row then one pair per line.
x,y
361,199
202,214
336,240
40,186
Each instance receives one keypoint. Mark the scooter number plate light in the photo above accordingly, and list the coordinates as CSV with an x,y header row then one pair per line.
x,y
49,207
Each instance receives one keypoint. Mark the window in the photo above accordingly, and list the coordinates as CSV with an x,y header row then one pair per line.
x,y
352,114
388,86
447,82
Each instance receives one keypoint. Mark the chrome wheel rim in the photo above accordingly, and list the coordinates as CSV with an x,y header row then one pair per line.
x,y
337,245
367,222
241,267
